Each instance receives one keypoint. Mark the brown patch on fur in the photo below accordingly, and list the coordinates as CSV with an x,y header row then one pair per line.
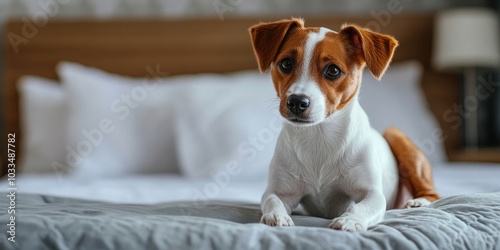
x,y
267,38
293,47
375,48
415,171
338,92
274,41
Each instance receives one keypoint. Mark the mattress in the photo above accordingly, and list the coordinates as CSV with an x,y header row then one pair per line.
x,y
450,179
465,178
140,189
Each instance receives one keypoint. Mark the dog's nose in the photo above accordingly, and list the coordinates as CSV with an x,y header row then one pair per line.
x,y
297,103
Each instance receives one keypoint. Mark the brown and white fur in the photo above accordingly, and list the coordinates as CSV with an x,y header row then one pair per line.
x,y
328,158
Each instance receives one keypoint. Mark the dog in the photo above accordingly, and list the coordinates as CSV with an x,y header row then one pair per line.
x,y
328,158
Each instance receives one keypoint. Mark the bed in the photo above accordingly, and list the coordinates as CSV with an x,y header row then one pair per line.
x,y
146,198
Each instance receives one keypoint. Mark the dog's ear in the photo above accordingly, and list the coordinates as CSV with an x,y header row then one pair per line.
x,y
375,49
267,38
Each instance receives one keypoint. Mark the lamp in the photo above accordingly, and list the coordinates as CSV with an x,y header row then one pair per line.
x,y
467,39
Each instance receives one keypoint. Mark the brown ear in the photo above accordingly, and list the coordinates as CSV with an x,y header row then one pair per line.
x,y
267,38
376,49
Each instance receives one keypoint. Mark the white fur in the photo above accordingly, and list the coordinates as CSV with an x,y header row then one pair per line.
x,y
418,202
339,168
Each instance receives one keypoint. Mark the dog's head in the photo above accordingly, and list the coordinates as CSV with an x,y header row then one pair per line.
x,y
317,71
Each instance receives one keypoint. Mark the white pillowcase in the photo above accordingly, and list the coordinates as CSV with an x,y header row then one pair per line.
x,y
42,118
397,100
227,126
117,125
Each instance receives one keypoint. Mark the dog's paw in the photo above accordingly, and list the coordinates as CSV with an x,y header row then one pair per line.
x,y
418,202
347,224
277,220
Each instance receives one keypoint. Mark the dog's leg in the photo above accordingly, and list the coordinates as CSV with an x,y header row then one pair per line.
x,y
276,210
368,211
415,171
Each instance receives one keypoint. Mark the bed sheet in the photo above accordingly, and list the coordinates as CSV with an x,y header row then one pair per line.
x,y
465,178
141,189
459,222
450,179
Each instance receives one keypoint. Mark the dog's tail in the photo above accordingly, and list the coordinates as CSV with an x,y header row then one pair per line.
x,y
414,168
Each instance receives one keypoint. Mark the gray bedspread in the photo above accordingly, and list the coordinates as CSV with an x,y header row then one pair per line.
x,y
44,222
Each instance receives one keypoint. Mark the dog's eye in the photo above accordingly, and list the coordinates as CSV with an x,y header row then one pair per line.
x,y
332,72
286,65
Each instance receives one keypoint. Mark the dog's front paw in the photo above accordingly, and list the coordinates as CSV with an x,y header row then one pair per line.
x,y
418,202
277,220
347,224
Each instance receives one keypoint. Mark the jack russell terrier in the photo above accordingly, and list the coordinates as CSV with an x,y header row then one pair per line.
x,y
328,158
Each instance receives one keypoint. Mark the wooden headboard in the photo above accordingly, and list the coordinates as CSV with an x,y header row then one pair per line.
x,y
127,47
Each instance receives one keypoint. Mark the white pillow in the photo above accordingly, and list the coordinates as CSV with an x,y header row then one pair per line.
x,y
397,100
117,125
227,126
42,118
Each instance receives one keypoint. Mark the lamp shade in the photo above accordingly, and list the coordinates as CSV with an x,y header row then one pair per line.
x,y
466,38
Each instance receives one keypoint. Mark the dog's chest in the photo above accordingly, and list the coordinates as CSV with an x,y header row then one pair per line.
x,y
320,167
318,162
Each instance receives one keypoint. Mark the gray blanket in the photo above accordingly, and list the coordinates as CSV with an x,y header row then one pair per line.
x,y
44,222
